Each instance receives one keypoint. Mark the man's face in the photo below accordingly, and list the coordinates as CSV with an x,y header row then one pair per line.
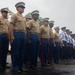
x,y
67,32
21,9
36,16
46,23
51,25
57,30
5,14
70,33
64,30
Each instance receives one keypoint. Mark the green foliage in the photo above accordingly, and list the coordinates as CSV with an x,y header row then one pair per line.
x,y
29,14
40,21
10,12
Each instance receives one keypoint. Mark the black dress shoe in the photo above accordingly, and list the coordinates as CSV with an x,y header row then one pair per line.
x,y
43,65
33,68
56,62
23,70
1,67
7,63
16,71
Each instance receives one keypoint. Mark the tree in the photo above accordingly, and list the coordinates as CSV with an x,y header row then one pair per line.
x,y
40,21
29,14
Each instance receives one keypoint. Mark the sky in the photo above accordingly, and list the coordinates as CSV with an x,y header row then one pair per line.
x,y
61,11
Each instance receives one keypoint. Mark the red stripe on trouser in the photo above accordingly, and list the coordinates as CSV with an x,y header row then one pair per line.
x,y
49,53
42,46
11,51
48,56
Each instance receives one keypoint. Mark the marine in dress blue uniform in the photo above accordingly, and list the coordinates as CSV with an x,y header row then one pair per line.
x,y
57,45
51,43
33,38
4,41
28,44
45,36
18,37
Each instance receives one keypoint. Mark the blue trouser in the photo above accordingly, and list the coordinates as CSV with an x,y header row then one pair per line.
x,y
67,51
35,46
39,55
18,50
4,44
57,52
71,51
51,50
27,53
63,51
44,51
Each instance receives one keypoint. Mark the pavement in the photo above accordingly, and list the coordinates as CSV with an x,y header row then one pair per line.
x,y
64,68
